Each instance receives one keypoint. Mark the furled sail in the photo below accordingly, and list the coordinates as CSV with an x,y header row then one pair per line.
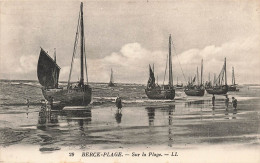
x,y
47,71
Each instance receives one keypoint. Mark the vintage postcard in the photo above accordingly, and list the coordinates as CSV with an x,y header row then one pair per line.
x,y
129,81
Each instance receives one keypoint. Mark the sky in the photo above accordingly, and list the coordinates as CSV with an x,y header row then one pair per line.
x,y
129,35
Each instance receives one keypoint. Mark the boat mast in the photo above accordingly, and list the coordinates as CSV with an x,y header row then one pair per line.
x,y
55,55
170,62
201,73
225,65
233,76
55,72
82,46
214,81
198,80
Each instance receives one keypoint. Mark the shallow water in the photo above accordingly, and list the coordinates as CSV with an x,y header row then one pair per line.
x,y
142,123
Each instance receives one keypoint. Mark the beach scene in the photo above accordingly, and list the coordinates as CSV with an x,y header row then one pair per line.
x,y
130,81
142,123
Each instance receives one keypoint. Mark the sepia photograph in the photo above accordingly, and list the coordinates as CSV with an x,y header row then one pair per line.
x,y
129,81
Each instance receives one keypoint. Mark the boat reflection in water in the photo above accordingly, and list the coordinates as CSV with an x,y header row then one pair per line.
x,y
165,109
79,115
171,109
47,119
194,103
151,114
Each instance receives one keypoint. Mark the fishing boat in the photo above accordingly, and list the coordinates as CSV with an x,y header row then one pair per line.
x,y
111,83
219,85
233,86
48,75
196,90
153,90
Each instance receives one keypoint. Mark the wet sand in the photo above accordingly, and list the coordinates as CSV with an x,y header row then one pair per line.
x,y
185,123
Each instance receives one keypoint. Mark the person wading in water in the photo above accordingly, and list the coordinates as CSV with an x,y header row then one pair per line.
x,y
118,103
213,100
234,102
227,101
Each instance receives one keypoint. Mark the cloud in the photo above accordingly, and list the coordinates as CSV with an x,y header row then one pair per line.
x,y
27,63
130,64
243,54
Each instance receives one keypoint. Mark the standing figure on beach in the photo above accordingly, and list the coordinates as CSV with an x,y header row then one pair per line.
x,y
51,102
118,102
213,100
227,101
28,105
234,102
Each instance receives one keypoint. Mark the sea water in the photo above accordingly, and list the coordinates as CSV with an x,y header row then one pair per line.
x,y
143,123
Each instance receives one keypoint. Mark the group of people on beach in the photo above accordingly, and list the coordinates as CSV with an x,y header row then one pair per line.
x,y
234,102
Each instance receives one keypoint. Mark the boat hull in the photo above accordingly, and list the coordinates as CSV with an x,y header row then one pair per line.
x,y
111,84
217,90
160,93
194,92
232,88
69,97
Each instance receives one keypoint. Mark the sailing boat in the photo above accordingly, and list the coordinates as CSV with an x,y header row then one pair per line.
x,y
233,86
196,90
48,74
154,91
111,83
218,88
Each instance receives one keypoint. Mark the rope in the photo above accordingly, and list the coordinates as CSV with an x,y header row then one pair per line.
x,y
165,69
85,62
179,62
74,50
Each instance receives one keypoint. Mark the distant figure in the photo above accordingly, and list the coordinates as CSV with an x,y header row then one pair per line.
x,y
118,102
227,101
51,102
213,100
234,102
28,105
43,107
27,102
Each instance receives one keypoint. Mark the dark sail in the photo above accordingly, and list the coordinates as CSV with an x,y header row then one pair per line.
x,y
151,80
47,71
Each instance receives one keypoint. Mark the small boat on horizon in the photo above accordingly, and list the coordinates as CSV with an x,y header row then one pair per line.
x,y
219,85
153,90
111,82
196,90
233,86
48,75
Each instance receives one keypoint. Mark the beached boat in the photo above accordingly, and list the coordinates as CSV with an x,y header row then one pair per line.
x,y
48,74
153,90
111,82
196,90
233,86
220,83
